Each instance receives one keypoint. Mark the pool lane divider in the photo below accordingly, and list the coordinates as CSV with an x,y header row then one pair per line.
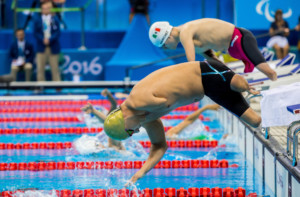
x,y
62,130
66,130
145,144
56,118
28,109
70,103
156,192
97,165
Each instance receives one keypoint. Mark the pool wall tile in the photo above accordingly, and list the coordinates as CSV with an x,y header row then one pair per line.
x,y
269,170
249,145
228,121
281,180
235,123
258,156
295,187
241,137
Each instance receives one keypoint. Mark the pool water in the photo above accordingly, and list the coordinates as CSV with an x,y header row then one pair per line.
x,y
242,175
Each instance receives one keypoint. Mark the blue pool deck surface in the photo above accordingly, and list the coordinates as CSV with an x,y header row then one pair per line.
x,y
242,176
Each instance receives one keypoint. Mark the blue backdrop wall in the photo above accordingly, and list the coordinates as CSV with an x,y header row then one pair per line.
x,y
258,14
114,14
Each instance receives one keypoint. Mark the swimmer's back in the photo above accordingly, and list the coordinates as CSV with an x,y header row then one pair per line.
x,y
210,33
171,86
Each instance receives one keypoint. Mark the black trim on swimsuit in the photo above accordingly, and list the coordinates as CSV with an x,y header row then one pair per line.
x,y
219,90
250,48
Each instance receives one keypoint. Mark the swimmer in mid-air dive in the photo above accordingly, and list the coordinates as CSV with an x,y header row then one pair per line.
x,y
168,88
89,109
203,35
172,132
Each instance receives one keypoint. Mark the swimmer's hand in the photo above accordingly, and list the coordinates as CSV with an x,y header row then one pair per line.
x,y
105,92
135,178
213,107
253,91
171,134
88,108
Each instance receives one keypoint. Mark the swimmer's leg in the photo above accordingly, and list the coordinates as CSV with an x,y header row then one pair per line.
x,y
239,84
251,118
267,70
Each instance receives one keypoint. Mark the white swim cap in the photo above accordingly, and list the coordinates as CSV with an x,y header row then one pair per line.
x,y
159,33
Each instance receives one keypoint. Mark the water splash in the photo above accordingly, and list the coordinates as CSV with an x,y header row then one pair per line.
x,y
211,155
135,147
195,129
90,120
230,140
98,145
35,193
87,144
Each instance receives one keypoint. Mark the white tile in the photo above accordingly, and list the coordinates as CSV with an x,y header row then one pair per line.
x,y
295,188
241,137
249,145
235,123
269,170
258,156
281,180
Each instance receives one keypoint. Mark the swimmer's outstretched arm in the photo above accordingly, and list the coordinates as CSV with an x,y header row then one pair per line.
x,y
190,119
113,105
89,109
112,100
155,130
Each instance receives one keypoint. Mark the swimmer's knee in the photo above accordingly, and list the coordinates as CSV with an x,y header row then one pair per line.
x,y
256,122
239,83
251,118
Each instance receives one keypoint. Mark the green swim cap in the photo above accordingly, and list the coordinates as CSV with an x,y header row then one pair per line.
x,y
114,125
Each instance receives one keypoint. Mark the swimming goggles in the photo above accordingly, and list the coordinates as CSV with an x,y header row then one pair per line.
x,y
130,132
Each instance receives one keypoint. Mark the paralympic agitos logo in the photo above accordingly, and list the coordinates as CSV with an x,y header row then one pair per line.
x,y
263,8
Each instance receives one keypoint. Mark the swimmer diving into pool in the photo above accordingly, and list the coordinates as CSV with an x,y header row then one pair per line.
x,y
203,35
176,130
89,109
168,88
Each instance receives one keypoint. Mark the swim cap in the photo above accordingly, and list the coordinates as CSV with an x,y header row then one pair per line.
x,y
114,125
159,33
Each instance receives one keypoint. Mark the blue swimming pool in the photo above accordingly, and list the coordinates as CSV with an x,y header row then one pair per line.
x,y
242,174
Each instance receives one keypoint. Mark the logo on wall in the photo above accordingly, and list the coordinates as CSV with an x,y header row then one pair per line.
x,y
263,8
76,67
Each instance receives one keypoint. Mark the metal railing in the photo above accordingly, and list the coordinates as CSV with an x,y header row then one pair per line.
x,y
16,9
292,135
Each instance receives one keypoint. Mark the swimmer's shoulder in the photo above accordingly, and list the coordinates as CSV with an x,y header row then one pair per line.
x,y
140,100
